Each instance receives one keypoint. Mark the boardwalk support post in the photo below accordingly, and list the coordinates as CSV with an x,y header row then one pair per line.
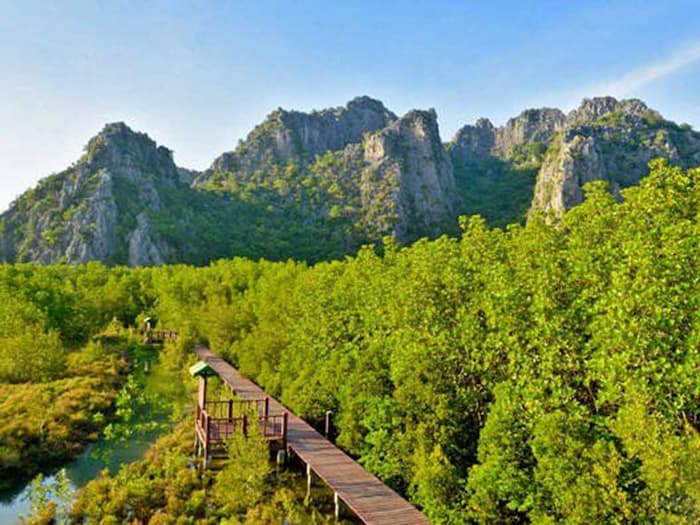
x,y
205,450
329,413
281,457
284,430
308,482
336,503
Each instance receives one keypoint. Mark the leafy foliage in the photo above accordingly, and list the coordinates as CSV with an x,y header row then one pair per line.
x,y
500,191
164,488
492,377
543,373
45,423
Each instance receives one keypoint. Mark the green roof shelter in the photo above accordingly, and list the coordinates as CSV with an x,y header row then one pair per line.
x,y
202,370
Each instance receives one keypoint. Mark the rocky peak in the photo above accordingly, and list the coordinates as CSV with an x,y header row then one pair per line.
x,y
473,144
417,126
531,126
99,208
609,140
408,160
130,154
591,109
295,135
364,103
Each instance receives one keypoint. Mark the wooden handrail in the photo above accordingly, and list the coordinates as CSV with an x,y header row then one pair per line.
x,y
235,407
220,429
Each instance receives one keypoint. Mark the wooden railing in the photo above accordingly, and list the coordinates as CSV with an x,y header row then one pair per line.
x,y
235,408
159,336
213,431
152,337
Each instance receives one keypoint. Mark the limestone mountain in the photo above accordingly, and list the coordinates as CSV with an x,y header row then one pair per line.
x,y
296,136
609,140
408,162
395,179
307,186
98,209
123,202
318,185
541,159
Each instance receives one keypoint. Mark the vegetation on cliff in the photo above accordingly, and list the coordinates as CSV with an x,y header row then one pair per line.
x,y
317,186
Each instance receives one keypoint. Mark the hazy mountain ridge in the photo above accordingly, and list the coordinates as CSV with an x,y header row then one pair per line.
x,y
318,185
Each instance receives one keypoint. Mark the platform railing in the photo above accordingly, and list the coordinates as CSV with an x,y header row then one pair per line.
x,y
214,431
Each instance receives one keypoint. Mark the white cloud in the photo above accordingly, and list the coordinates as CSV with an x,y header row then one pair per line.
x,y
634,80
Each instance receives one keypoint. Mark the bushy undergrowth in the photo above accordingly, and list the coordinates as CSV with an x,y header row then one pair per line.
x,y
45,423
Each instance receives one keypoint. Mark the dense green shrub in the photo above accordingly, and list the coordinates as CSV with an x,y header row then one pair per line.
x,y
545,372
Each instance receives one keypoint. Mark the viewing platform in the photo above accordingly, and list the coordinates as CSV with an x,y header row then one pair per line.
x,y
218,421
362,493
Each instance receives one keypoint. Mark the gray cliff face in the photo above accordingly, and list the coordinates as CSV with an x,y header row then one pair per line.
x,y
408,187
530,127
612,141
293,135
91,231
560,181
80,214
603,139
476,144
145,247
591,109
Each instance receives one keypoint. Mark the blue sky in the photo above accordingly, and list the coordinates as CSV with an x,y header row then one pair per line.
x,y
198,75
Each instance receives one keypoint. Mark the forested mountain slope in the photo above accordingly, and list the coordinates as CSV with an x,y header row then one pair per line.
x,y
539,160
317,186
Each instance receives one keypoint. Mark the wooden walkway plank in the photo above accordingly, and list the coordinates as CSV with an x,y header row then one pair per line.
x,y
364,494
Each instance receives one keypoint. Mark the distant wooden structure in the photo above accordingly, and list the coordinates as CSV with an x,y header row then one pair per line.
x,y
159,337
217,421
156,337
358,490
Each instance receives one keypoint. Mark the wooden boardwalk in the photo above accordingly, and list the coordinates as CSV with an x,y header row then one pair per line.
x,y
361,492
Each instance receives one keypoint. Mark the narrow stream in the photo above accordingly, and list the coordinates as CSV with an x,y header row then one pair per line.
x,y
15,504
105,453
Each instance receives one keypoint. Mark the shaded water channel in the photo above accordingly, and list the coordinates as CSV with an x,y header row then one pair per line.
x,y
146,385
14,503
154,391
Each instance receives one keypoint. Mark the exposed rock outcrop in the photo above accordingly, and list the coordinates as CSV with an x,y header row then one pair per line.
x,y
612,141
591,109
145,248
477,143
294,135
533,126
88,212
474,144
603,139
565,171
408,179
